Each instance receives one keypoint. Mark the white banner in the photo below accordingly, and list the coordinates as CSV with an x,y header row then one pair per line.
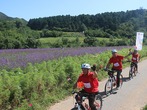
x,y
139,40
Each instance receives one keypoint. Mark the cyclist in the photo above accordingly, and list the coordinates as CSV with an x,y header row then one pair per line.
x,y
90,83
116,60
135,58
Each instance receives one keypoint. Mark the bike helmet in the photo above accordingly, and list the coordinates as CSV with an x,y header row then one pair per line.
x,y
114,51
85,65
135,50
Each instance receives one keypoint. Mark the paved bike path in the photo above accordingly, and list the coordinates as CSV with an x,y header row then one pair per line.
x,y
132,95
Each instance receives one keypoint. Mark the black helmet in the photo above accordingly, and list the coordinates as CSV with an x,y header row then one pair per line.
x,y
135,50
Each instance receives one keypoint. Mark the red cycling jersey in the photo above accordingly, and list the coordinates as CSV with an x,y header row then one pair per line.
x,y
117,62
90,84
135,57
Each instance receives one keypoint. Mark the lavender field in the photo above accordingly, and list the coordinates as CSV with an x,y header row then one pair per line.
x,y
13,58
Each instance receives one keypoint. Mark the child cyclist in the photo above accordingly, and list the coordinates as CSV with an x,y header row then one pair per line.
x,y
90,85
135,58
116,61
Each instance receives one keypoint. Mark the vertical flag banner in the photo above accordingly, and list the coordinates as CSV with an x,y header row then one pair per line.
x,y
139,40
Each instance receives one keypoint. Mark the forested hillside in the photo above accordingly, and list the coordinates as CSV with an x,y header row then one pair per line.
x,y
118,24
18,33
14,33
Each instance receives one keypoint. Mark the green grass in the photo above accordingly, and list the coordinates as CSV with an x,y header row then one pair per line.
x,y
55,39
145,108
71,36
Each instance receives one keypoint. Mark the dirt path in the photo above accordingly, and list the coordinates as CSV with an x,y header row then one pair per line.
x,y
132,95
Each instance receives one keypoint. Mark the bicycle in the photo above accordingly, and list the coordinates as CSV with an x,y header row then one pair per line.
x,y
77,106
111,83
132,71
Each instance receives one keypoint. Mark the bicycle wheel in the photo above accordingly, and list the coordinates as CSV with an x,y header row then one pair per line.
x,y
108,87
98,102
130,74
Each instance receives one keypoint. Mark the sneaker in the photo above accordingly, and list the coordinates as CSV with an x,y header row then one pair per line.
x,y
117,87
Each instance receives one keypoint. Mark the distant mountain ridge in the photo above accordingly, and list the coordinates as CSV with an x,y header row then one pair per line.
x,y
4,17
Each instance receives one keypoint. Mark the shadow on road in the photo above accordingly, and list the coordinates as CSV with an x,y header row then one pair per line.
x,y
126,79
103,94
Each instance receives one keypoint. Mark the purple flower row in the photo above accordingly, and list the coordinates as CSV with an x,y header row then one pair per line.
x,y
13,58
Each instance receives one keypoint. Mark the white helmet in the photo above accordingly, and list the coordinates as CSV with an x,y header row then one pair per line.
x,y
114,51
85,65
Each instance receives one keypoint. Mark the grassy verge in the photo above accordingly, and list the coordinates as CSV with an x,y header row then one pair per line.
x,y
145,108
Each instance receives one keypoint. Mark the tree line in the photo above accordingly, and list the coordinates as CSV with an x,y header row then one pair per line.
x,y
117,24
15,34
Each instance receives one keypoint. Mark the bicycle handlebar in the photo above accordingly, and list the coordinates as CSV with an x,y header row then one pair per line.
x,y
78,92
73,92
129,61
108,70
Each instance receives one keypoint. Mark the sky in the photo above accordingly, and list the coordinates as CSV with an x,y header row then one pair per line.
x,y
29,9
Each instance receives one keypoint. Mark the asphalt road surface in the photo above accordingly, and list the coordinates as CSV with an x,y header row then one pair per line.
x,y
131,96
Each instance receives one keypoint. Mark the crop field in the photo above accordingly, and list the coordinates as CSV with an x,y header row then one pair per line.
x,y
21,57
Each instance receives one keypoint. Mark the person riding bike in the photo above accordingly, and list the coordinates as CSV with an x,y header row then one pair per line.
x,y
135,58
90,83
116,60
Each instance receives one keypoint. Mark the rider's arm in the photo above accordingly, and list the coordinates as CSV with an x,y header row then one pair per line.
x,y
130,53
95,74
127,55
107,66
138,59
75,86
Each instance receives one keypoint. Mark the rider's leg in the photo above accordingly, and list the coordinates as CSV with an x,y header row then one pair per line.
x,y
79,99
131,66
91,99
118,77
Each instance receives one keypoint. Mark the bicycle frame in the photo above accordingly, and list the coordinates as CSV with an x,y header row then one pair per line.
x,y
132,71
112,82
77,106
85,104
